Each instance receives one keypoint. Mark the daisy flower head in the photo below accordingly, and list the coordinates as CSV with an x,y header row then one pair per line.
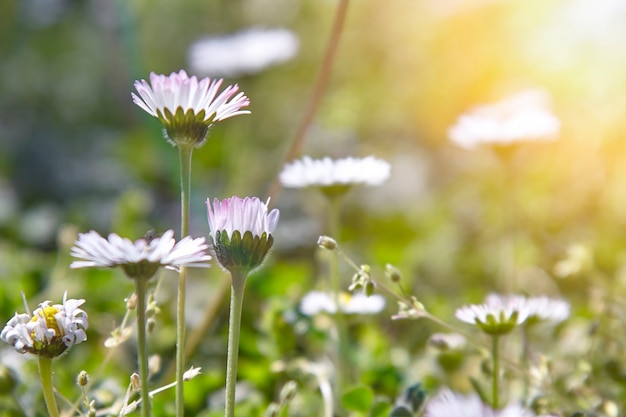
x,y
50,330
241,230
316,302
522,117
334,176
141,258
187,106
497,315
546,309
450,404
246,52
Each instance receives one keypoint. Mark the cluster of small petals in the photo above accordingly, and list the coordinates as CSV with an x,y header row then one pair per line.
x,y
496,310
524,116
316,302
308,172
17,334
50,330
450,404
247,214
115,251
179,90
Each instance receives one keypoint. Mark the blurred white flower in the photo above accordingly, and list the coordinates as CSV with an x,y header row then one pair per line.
x,y
50,330
143,257
497,315
542,308
316,302
450,404
447,341
524,116
246,52
327,172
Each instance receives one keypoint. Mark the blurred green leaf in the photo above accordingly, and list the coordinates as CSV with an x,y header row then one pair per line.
x,y
358,398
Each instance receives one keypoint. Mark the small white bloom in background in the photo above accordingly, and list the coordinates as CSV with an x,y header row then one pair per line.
x,y
497,315
447,341
241,230
141,257
187,106
316,302
522,117
546,309
243,53
450,404
327,172
50,330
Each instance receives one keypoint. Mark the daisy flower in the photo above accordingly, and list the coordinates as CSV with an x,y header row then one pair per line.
x,y
316,302
187,106
522,117
449,404
241,230
546,309
141,258
243,53
334,174
50,330
497,315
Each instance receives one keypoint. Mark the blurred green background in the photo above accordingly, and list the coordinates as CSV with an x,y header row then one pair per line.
x,y
76,154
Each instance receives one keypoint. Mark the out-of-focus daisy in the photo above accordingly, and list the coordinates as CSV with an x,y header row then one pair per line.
x,y
50,330
246,52
316,302
330,174
522,117
141,258
241,230
546,309
187,106
497,315
449,404
447,341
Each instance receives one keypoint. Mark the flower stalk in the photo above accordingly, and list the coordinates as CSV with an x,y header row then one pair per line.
x,y
45,374
141,284
234,330
495,356
185,152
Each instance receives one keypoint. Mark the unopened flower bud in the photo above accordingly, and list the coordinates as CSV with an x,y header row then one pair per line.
x,y
82,379
327,242
288,391
393,273
135,382
131,302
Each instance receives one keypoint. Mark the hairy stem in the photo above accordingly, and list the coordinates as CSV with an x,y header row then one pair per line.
x,y
142,346
45,373
185,152
234,330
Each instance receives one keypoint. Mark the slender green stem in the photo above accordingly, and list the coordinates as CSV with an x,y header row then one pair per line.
x,y
234,327
185,152
496,369
142,346
343,368
45,373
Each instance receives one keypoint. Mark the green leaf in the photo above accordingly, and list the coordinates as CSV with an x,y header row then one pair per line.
x,y
380,409
359,398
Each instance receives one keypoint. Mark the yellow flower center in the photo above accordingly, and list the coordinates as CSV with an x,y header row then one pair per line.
x,y
51,322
